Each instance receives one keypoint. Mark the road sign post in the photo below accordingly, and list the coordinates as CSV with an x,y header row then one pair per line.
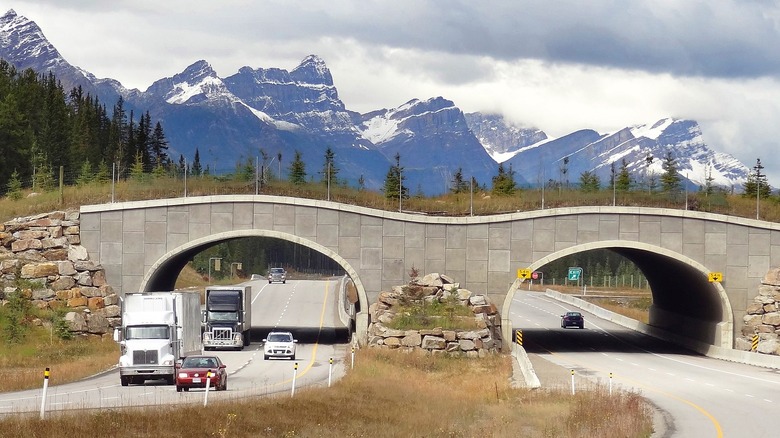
x,y
575,273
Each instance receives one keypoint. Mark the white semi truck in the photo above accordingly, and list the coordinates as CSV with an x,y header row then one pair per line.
x,y
228,317
158,328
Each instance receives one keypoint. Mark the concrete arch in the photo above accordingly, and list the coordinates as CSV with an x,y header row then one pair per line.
x,y
158,277
676,281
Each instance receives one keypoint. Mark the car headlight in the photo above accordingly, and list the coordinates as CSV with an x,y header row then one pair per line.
x,y
167,362
182,375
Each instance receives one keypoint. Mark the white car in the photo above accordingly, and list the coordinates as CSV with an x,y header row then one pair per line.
x,y
279,344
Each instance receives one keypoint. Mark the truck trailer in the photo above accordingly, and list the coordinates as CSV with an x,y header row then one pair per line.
x,y
228,317
158,328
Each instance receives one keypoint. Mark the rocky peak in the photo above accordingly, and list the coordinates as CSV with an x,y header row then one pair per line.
x,y
312,70
22,41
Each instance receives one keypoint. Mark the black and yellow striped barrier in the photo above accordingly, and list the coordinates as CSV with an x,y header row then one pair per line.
x,y
519,337
754,345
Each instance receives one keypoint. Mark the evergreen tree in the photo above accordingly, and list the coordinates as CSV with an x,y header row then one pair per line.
x,y
459,185
589,182
756,181
159,147
394,187
297,170
196,169
623,182
329,169
504,181
15,186
137,170
245,172
85,174
43,180
181,169
102,175
361,183
670,179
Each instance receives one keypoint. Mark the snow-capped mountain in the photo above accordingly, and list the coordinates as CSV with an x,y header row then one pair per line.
x,y
23,44
502,140
643,147
268,113
433,139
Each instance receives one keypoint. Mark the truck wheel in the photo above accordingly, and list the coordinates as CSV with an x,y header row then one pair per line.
x,y
265,357
171,380
125,380
247,338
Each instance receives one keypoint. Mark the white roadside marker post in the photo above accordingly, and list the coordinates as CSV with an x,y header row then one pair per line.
x,y
208,384
330,371
295,374
610,383
572,382
45,386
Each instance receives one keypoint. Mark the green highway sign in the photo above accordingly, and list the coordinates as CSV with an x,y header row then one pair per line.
x,y
575,274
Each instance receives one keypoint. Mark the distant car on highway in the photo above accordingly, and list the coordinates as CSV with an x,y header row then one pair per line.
x,y
574,319
277,275
192,373
279,344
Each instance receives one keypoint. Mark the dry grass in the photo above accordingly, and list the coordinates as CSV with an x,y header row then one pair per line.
x,y
68,361
388,394
449,204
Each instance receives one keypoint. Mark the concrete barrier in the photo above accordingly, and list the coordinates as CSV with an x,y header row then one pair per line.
x,y
523,369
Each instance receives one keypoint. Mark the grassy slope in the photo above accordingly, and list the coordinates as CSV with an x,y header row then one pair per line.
x,y
387,394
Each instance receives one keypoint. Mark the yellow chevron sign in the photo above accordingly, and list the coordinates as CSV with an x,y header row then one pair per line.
x,y
524,273
715,277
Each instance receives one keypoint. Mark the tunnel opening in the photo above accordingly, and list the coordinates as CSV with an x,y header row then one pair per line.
x,y
682,301
246,256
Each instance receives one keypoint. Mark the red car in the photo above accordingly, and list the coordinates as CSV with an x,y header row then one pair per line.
x,y
191,373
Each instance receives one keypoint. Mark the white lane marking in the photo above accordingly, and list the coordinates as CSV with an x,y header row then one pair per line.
x,y
750,396
767,400
259,292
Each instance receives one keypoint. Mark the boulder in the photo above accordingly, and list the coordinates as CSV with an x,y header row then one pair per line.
x,y
76,321
38,270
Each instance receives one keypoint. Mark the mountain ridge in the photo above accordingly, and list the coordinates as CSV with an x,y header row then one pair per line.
x,y
276,113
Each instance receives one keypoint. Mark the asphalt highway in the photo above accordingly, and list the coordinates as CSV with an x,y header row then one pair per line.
x,y
307,308
698,396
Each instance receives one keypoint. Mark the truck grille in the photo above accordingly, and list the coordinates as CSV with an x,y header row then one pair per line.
x,y
145,357
222,334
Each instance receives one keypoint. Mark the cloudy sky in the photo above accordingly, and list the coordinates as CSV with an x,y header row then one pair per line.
x,y
555,65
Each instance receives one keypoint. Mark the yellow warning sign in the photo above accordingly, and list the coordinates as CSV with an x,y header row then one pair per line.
x,y
524,273
715,277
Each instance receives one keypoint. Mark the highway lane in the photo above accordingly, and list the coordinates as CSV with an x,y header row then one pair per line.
x,y
307,307
704,397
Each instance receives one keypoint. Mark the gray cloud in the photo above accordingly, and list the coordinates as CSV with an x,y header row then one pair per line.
x,y
560,66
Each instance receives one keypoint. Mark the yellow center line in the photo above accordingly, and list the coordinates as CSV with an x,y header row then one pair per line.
x,y
317,342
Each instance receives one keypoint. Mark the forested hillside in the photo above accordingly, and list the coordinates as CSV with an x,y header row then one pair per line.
x,y
43,128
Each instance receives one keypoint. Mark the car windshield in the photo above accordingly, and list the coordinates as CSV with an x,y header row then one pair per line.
x,y
277,270
146,332
279,337
199,362
575,314
223,316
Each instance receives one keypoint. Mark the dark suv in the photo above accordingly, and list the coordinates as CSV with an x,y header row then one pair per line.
x,y
572,319
277,275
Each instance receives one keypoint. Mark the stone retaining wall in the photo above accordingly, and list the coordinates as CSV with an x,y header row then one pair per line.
x,y
484,339
762,317
41,256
